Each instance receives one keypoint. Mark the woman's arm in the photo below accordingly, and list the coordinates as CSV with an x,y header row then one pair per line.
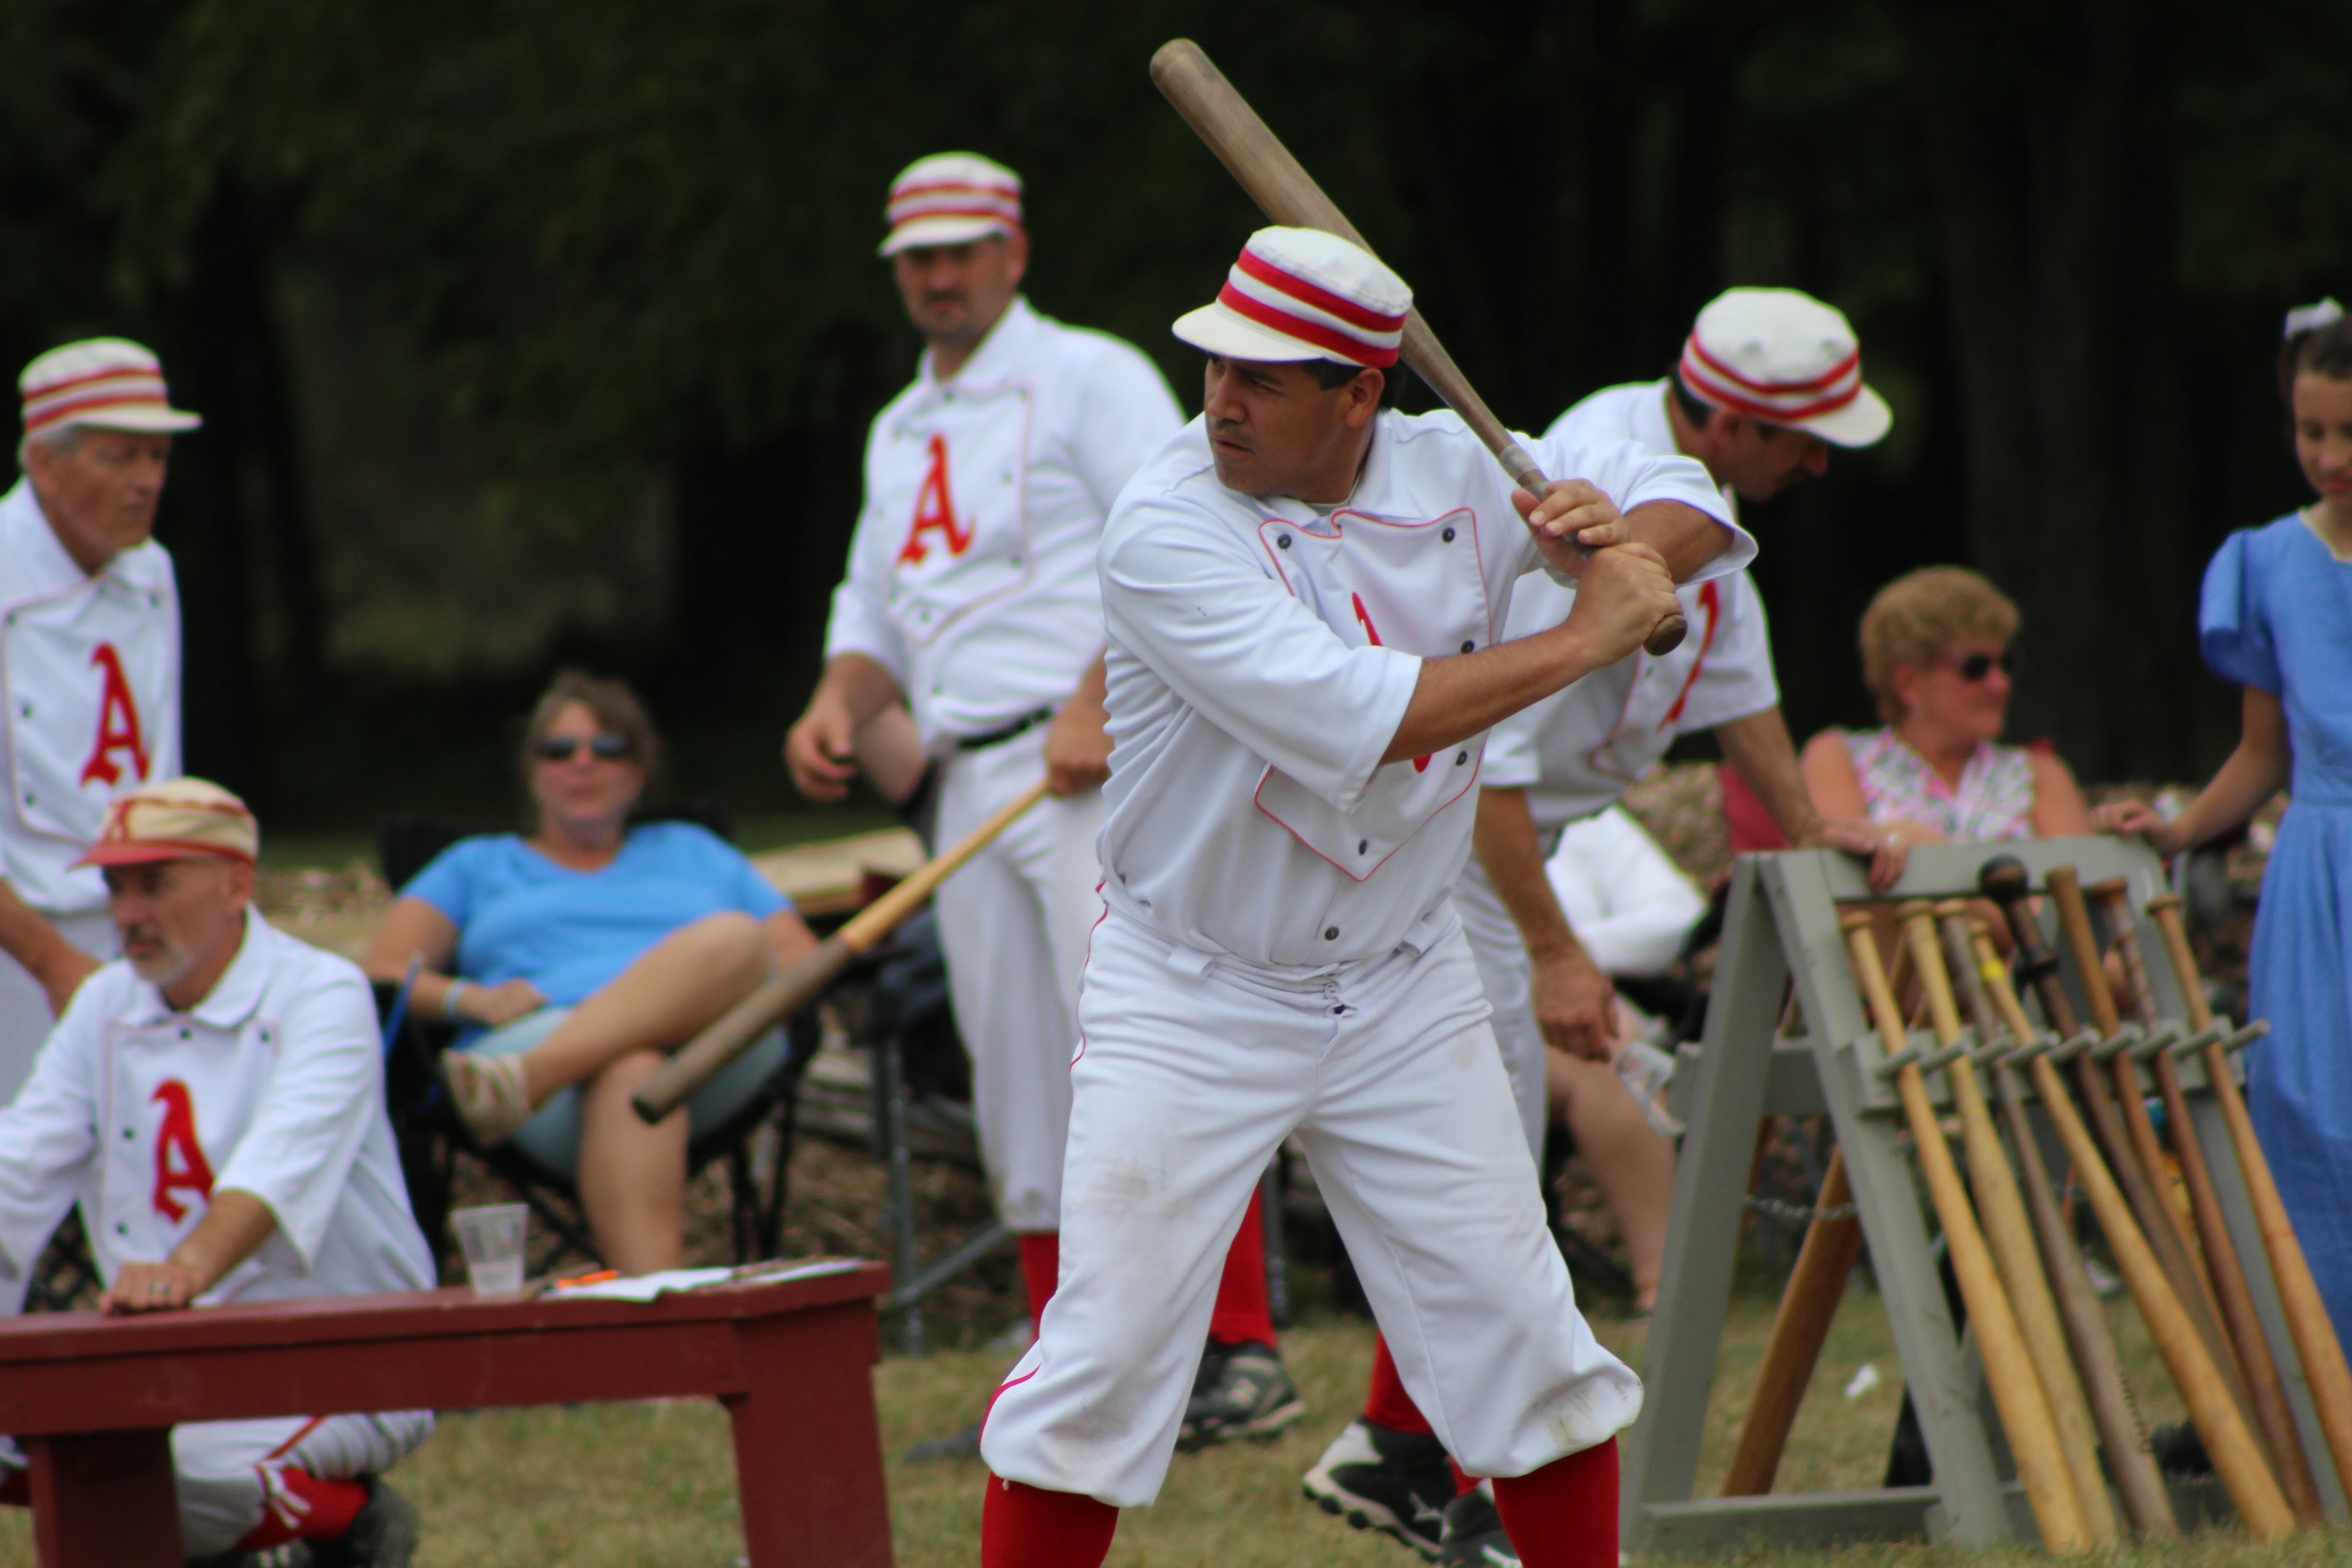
x,y
2258,769
1828,769
790,936
412,929
2058,808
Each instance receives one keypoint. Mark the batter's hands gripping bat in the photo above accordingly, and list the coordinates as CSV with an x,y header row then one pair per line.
x,y
2088,1332
1816,1286
2234,1295
2307,1320
2010,1234
1285,193
2229,1441
709,1053
2017,1394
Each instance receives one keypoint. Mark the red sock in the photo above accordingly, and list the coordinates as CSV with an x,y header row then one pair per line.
x,y
1024,1526
303,1507
1565,1514
1243,1314
1041,1269
1388,1404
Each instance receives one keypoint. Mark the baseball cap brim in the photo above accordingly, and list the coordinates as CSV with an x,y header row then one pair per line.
x,y
146,852
1861,423
1219,330
922,231
148,420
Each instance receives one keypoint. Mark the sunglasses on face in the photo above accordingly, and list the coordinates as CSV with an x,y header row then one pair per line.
x,y
1977,666
605,747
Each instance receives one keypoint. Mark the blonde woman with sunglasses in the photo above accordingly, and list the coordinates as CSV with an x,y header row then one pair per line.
x,y
1936,656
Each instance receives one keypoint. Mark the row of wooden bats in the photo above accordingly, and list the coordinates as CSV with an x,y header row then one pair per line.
x,y
2048,1351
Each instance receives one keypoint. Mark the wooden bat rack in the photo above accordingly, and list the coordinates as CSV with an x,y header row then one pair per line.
x,y
1781,928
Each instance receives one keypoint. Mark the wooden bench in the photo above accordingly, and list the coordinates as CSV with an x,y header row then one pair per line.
x,y
92,1399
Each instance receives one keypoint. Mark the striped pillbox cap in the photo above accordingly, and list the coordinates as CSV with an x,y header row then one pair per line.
x,y
1782,356
949,198
1301,294
111,382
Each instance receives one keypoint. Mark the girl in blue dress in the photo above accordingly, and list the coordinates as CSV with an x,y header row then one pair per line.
x,y
2276,618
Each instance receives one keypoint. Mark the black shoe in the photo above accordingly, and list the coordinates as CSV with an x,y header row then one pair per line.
x,y
963,1444
1394,1482
1474,1537
286,1554
2180,1451
383,1535
1243,1391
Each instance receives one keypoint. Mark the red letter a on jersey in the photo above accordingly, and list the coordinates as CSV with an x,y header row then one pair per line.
x,y
180,1162
934,511
118,723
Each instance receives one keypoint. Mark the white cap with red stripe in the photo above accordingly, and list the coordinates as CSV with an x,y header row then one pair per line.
x,y
949,198
1300,294
1782,356
111,382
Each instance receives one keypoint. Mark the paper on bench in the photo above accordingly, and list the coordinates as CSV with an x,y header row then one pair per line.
x,y
645,1286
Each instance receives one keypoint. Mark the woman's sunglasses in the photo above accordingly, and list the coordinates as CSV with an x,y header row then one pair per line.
x,y
1973,668
605,747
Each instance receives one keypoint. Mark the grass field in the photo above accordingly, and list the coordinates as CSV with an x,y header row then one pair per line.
x,y
636,1486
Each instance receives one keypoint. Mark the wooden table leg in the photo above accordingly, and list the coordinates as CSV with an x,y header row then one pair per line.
x,y
104,1500
808,1445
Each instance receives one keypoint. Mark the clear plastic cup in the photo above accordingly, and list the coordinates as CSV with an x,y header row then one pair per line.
x,y
492,1236
1646,1071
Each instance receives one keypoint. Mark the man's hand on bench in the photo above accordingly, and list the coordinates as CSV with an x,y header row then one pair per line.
x,y
234,1224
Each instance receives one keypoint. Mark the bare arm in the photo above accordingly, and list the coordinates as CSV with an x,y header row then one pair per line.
x,y
789,936
235,1225
49,958
2258,769
821,748
1759,747
1575,1004
412,929
1078,746
2058,808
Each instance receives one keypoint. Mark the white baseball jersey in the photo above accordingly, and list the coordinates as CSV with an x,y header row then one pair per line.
x,y
90,669
972,573
1576,751
273,1085
1262,656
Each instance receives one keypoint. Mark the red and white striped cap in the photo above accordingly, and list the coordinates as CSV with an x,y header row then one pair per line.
x,y
1784,357
112,383
1300,294
948,198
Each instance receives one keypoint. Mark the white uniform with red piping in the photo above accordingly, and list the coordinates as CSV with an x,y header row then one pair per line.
x,y
1577,752
971,579
90,669
273,1085
1280,957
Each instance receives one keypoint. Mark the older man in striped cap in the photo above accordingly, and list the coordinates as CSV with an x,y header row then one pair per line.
x,y
90,653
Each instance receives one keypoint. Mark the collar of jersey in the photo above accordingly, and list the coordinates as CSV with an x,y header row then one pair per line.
x,y
231,1002
998,352
40,567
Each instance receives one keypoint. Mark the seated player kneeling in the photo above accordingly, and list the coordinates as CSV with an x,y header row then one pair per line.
x,y
253,1164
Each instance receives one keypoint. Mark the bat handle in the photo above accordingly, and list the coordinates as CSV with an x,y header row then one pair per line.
x,y
1667,635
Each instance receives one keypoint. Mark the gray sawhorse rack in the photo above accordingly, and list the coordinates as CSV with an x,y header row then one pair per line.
x,y
1781,926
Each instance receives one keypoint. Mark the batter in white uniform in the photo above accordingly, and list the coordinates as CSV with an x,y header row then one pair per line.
x,y
972,596
89,664
213,1101
1300,592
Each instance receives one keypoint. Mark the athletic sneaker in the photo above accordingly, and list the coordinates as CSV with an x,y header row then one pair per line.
x,y
488,1093
1474,1537
1243,1391
1379,1478
383,1535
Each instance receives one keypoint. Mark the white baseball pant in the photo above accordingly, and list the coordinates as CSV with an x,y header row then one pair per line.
x,y
230,1472
1191,1070
1504,974
1013,925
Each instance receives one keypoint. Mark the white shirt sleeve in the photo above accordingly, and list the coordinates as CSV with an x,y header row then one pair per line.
x,y
326,1093
48,1135
1185,597
1127,414
860,622
1735,679
1625,900
1633,476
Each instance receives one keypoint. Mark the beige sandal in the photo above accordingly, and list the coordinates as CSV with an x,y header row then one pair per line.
x,y
489,1093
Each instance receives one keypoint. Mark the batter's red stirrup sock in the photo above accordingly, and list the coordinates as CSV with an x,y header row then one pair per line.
x,y
1022,1526
1565,1514
1388,1404
1242,1315
304,1507
1041,1269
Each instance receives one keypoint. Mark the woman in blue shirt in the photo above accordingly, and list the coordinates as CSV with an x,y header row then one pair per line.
x,y
580,956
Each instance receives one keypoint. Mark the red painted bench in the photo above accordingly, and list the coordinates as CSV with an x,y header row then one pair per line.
x,y
91,1398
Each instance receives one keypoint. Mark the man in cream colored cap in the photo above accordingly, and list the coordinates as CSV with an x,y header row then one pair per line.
x,y
214,1101
89,662
970,595
1304,594
1769,379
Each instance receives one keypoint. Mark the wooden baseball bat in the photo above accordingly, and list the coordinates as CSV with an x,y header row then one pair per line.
x,y
2017,1394
779,996
1816,1286
2229,1441
2010,1234
2308,1321
2272,1416
1288,194
2003,881
2088,1332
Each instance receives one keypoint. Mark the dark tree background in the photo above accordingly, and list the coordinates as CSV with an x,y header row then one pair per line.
x,y
607,268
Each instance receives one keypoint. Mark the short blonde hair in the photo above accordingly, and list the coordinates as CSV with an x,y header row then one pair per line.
x,y
1921,615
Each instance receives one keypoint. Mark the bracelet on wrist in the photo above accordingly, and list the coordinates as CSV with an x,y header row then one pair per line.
x,y
449,998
